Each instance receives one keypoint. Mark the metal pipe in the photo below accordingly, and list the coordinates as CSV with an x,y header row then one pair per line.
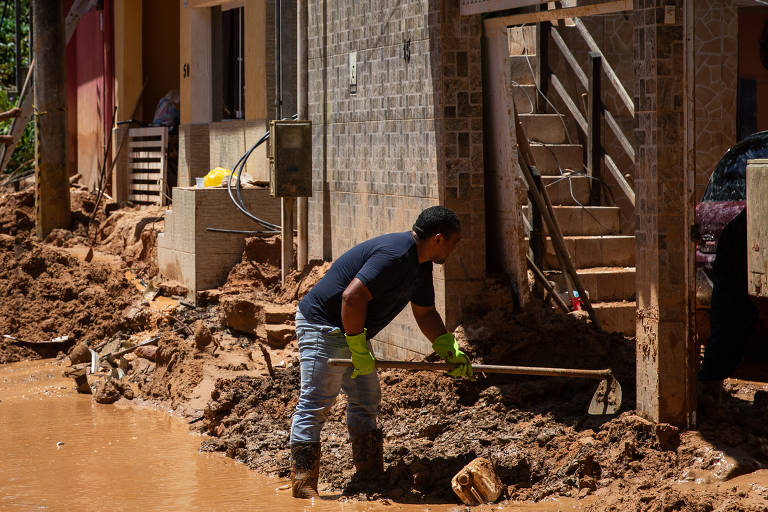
x,y
302,101
278,65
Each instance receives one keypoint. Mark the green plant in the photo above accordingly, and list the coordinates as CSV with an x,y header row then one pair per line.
x,y
24,151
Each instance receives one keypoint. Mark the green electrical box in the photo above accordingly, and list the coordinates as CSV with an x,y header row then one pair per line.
x,y
290,158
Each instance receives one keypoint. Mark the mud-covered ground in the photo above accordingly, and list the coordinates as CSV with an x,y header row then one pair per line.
x,y
230,365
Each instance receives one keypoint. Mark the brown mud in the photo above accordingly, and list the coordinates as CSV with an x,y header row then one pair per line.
x,y
239,381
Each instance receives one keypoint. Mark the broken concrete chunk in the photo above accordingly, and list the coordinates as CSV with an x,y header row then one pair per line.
x,y
668,436
107,393
148,352
279,313
80,354
202,334
240,314
477,483
278,336
111,391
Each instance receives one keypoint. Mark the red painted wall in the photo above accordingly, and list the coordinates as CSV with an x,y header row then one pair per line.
x,y
90,92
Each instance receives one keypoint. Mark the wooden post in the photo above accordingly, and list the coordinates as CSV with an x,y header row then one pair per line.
x,y
52,201
543,71
288,221
302,99
594,146
542,84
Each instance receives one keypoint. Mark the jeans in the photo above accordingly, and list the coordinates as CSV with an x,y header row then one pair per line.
x,y
320,384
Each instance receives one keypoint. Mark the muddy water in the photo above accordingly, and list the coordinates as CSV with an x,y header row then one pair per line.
x,y
60,451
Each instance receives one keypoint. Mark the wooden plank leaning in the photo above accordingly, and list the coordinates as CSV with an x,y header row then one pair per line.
x,y
545,283
541,198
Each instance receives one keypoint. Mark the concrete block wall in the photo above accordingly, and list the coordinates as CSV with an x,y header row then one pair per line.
x,y
201,259
194,153
205,146
410,137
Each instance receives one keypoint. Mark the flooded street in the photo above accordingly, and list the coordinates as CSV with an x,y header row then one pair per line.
x,y
63,452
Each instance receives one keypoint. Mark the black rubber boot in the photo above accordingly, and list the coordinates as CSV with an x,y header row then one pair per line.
x,y
305,469
368,456
368,453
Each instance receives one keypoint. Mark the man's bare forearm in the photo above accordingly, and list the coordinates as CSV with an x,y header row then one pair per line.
x,y
354,306
429,321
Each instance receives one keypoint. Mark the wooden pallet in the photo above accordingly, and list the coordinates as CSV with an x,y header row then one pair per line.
x,y
147,165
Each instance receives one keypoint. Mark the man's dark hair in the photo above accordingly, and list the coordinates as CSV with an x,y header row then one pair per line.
x,y
434,220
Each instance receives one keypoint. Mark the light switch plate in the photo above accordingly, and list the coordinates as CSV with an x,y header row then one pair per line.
x,y
353,72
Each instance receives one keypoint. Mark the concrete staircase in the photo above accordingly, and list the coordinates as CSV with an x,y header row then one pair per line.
x,y
603,257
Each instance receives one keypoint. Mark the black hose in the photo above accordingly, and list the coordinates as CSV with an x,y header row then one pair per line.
x,y
237,172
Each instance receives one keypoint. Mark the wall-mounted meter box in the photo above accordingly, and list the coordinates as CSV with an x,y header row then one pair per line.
x,y
290,158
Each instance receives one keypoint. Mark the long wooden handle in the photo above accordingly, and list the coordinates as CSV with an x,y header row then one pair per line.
x,y
485,368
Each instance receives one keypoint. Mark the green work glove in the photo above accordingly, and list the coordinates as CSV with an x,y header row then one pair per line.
x,y
362,359
446,347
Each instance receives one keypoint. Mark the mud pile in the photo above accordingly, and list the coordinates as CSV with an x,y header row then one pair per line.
x,y
534,429
52,289
129,233
49,293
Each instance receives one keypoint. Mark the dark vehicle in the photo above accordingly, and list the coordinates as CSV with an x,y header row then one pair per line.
x,y
723,200
725,196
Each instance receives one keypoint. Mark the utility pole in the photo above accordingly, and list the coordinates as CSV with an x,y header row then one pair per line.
x,y
52,202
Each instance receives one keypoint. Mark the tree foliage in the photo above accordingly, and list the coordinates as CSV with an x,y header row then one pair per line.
x,y
23,155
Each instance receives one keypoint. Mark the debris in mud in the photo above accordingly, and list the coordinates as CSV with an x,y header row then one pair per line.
x,y
202,334
109,392
477,483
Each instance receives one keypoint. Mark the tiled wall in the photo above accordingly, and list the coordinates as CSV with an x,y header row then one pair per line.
x,y
716,57
408,138
662,214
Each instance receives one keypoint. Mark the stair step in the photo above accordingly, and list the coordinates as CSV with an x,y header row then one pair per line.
x,y
585,221
543,127
559,189
525,98
616,316
550,158
520,72
594,251
603,284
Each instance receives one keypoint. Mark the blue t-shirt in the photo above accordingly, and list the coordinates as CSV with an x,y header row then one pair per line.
x,y
389,267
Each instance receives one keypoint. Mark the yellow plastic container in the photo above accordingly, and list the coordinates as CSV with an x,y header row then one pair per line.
x,y
216,176
477,483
